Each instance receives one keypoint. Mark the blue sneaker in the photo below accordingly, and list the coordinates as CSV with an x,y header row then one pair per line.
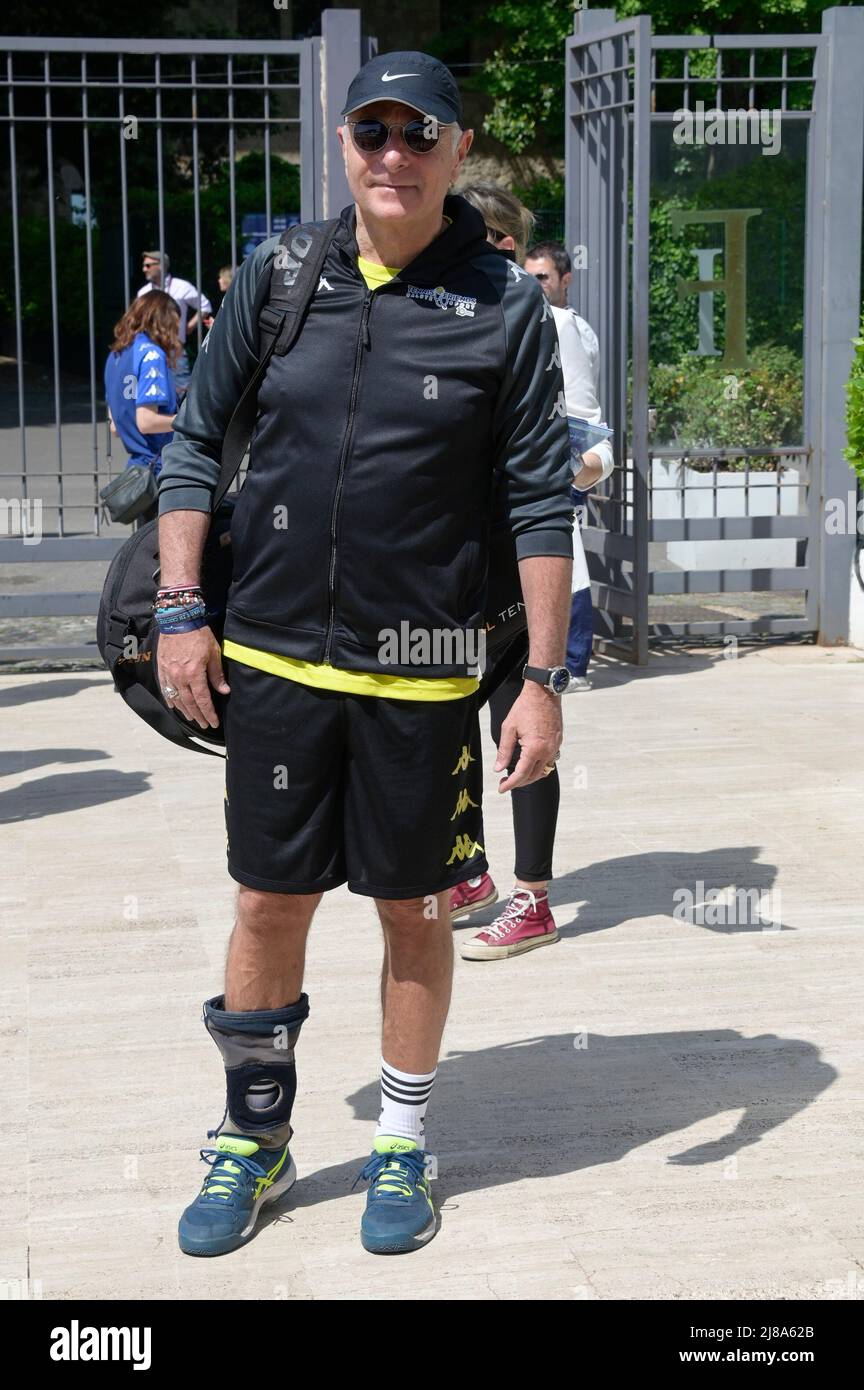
x,y
399,1213
224,1213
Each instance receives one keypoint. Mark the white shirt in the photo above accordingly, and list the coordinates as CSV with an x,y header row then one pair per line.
x,y
580,363
185,294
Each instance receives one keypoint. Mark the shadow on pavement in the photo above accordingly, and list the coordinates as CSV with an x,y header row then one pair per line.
x,y
65,791
12,695
614,891
541,1106
29,758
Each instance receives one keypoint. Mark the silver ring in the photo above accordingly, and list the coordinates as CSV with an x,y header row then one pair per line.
x,y
169,692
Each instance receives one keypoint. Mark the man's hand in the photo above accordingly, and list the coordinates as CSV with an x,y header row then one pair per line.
x,y
187,660
590,473
535,723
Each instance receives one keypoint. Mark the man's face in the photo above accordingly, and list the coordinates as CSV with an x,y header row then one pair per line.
x,y
395,183
554,286
152,270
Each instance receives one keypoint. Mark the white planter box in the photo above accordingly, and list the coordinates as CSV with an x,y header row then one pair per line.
x,y
760,499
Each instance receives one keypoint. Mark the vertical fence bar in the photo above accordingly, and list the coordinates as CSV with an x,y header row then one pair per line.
x,y
160,174
268,199
641,190
124,181
232,156
342,51
308,133
16,271
196,194
841,95
91,313
55,313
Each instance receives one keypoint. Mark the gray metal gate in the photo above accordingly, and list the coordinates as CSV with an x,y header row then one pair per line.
x,y
86,117
617,111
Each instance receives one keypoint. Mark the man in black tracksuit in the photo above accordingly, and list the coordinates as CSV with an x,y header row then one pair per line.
x,y
426,377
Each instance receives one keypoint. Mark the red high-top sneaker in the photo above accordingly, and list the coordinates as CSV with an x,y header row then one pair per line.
x,y
471,895
526,922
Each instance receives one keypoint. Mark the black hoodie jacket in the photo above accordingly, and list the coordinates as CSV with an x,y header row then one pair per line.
x,y
369,494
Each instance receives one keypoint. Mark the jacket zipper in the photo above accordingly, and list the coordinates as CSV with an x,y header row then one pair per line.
x,y
362,342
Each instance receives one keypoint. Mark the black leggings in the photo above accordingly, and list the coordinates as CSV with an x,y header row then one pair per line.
x,y
535,808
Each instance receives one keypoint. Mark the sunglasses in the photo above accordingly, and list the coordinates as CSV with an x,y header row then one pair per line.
x,y
492,234
420,136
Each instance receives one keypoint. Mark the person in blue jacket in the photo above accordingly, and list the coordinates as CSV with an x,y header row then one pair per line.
x,y
139,380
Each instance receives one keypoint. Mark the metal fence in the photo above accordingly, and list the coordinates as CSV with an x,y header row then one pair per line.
x,y
115,146
651,528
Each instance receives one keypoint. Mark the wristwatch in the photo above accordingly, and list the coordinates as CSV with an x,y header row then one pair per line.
x,y
555,678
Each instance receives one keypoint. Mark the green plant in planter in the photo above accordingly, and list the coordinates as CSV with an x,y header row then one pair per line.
x,y
701,404
855,408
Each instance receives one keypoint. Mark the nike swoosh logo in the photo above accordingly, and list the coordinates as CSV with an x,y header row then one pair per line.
x,y
391,76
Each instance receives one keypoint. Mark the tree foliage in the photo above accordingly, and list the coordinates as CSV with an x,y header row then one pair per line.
x,y
525,76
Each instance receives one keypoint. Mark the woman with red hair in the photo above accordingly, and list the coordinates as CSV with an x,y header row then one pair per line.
x,y
139,378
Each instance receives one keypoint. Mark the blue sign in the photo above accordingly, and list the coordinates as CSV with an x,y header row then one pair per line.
x,y
253,228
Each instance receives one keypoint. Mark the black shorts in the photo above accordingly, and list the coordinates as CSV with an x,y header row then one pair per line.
x,y
323,788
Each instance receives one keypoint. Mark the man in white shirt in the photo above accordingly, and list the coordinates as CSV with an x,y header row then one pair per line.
x,y
155,267
549,263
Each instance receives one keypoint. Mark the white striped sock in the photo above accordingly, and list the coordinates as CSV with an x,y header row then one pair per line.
x,y
404,1098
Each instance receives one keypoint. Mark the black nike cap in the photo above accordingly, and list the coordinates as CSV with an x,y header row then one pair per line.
x,y
417,79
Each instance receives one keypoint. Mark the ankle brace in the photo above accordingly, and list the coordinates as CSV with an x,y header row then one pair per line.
x,y
258,1047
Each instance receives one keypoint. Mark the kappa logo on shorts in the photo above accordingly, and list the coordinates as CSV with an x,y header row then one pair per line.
x,y
463,801
463,760
464,848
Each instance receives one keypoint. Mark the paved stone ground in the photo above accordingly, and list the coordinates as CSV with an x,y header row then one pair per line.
x,y
650,1109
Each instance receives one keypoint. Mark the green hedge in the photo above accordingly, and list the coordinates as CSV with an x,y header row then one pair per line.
x,y
701,404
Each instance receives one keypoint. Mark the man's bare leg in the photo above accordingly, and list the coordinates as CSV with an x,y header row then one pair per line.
x,y
416,980
267,950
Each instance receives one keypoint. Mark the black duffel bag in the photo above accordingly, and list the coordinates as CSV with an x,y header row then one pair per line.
x,y
128,637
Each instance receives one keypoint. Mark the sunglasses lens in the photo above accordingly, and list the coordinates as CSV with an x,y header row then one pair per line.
x,y
370,135
421,136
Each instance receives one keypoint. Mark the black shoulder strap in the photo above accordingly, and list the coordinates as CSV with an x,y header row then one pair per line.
x,y
293,281
160,719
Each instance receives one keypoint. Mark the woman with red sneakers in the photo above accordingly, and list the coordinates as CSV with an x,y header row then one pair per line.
x,y
527,922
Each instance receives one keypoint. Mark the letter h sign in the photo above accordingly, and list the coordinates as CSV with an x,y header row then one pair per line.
x,y
734,282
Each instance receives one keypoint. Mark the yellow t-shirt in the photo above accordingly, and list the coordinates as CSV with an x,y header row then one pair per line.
x,y
328,677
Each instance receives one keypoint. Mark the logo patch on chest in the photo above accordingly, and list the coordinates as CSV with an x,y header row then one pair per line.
x,y
464,304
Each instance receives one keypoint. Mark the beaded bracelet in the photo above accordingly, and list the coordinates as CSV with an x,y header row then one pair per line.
x,y
186,594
